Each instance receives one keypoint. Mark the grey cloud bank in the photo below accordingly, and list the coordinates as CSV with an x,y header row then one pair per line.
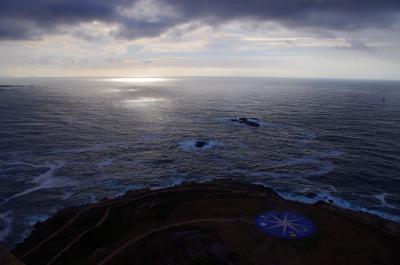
x,y
23,19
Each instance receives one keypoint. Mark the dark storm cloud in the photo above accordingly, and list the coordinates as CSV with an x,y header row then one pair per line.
x,y
27,19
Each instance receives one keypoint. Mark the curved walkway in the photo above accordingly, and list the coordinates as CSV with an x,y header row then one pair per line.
x,y
166,227
79,237
109,205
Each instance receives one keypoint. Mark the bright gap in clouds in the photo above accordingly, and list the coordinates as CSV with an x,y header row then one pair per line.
x,y
162,38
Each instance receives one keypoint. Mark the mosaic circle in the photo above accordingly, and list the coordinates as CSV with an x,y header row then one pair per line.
x,y
284,224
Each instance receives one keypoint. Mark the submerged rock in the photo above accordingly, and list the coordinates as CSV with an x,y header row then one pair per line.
x,y
254,122
197,145
201,144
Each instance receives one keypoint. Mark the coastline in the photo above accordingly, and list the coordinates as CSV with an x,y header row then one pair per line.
x,y
222,213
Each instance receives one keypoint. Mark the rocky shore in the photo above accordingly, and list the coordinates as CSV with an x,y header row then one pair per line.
x,y
212,223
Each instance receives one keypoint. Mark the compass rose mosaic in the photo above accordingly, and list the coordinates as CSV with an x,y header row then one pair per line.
x,y
283,224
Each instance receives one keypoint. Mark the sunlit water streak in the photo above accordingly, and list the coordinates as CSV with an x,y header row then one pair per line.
x,y
138,79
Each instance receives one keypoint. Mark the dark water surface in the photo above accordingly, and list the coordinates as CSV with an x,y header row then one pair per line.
x,y
67,142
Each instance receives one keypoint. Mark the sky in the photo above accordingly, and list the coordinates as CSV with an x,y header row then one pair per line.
x,y
357,39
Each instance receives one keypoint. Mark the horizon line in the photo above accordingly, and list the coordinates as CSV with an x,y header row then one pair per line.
x,y
203,76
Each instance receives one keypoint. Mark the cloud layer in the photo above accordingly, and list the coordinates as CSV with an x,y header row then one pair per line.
x,y
132,19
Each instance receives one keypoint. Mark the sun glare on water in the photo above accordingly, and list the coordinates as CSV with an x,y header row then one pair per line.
x,y
138,79
143,102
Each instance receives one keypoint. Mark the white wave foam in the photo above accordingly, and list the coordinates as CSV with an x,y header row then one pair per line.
x,y
34,219
105,163
384,215
21,163
93,198
324,169
297,161
306,137
327,197
190,145
29,223
382,199
95,148
67,195
46,180
125,189
6,220
116,187
168,182
324,166
310,136
271,125
331,154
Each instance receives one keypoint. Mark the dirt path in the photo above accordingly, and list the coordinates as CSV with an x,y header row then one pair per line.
x,y
221,213
159,229
79,237
110,205
55,233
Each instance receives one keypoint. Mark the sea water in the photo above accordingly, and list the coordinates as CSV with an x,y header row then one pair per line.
x,y
66,142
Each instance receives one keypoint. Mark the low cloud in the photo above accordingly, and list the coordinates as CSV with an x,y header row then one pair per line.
x,y
29,20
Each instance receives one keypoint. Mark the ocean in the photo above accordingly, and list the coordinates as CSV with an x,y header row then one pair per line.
x,y
66,142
